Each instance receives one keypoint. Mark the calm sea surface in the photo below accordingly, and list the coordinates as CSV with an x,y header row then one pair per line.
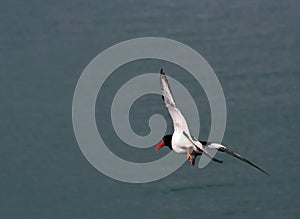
x,y
254,48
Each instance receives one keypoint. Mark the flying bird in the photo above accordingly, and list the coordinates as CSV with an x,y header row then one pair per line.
x,y
181,141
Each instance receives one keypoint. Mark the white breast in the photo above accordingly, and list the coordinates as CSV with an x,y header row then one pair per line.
x,y
180,143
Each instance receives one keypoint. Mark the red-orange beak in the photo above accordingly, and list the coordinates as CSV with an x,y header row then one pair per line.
x,y
158,147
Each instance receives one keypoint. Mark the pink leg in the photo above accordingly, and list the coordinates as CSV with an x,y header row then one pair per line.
x,y
189,156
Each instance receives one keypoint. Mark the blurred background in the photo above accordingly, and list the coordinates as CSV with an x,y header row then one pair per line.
x,y
253,46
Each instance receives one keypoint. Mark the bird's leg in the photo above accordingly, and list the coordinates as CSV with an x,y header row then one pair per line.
x,y
189,156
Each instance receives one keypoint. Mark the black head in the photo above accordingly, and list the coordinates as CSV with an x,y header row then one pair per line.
x,y
167,141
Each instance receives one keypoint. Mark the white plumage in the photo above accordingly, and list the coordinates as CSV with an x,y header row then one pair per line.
x,y
181,141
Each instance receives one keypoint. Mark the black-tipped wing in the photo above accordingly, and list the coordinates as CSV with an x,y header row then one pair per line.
x,y
179,121
228,151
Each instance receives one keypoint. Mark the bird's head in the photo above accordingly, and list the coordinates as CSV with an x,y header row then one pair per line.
x,y
167,141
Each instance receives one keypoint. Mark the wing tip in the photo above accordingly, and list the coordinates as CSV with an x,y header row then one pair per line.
x,y
162,72
265,172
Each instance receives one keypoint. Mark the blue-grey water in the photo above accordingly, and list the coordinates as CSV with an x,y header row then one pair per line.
x,y
254,48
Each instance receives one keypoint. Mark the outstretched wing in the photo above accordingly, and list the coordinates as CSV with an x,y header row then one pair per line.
x,y
222,148
232,153
179,121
